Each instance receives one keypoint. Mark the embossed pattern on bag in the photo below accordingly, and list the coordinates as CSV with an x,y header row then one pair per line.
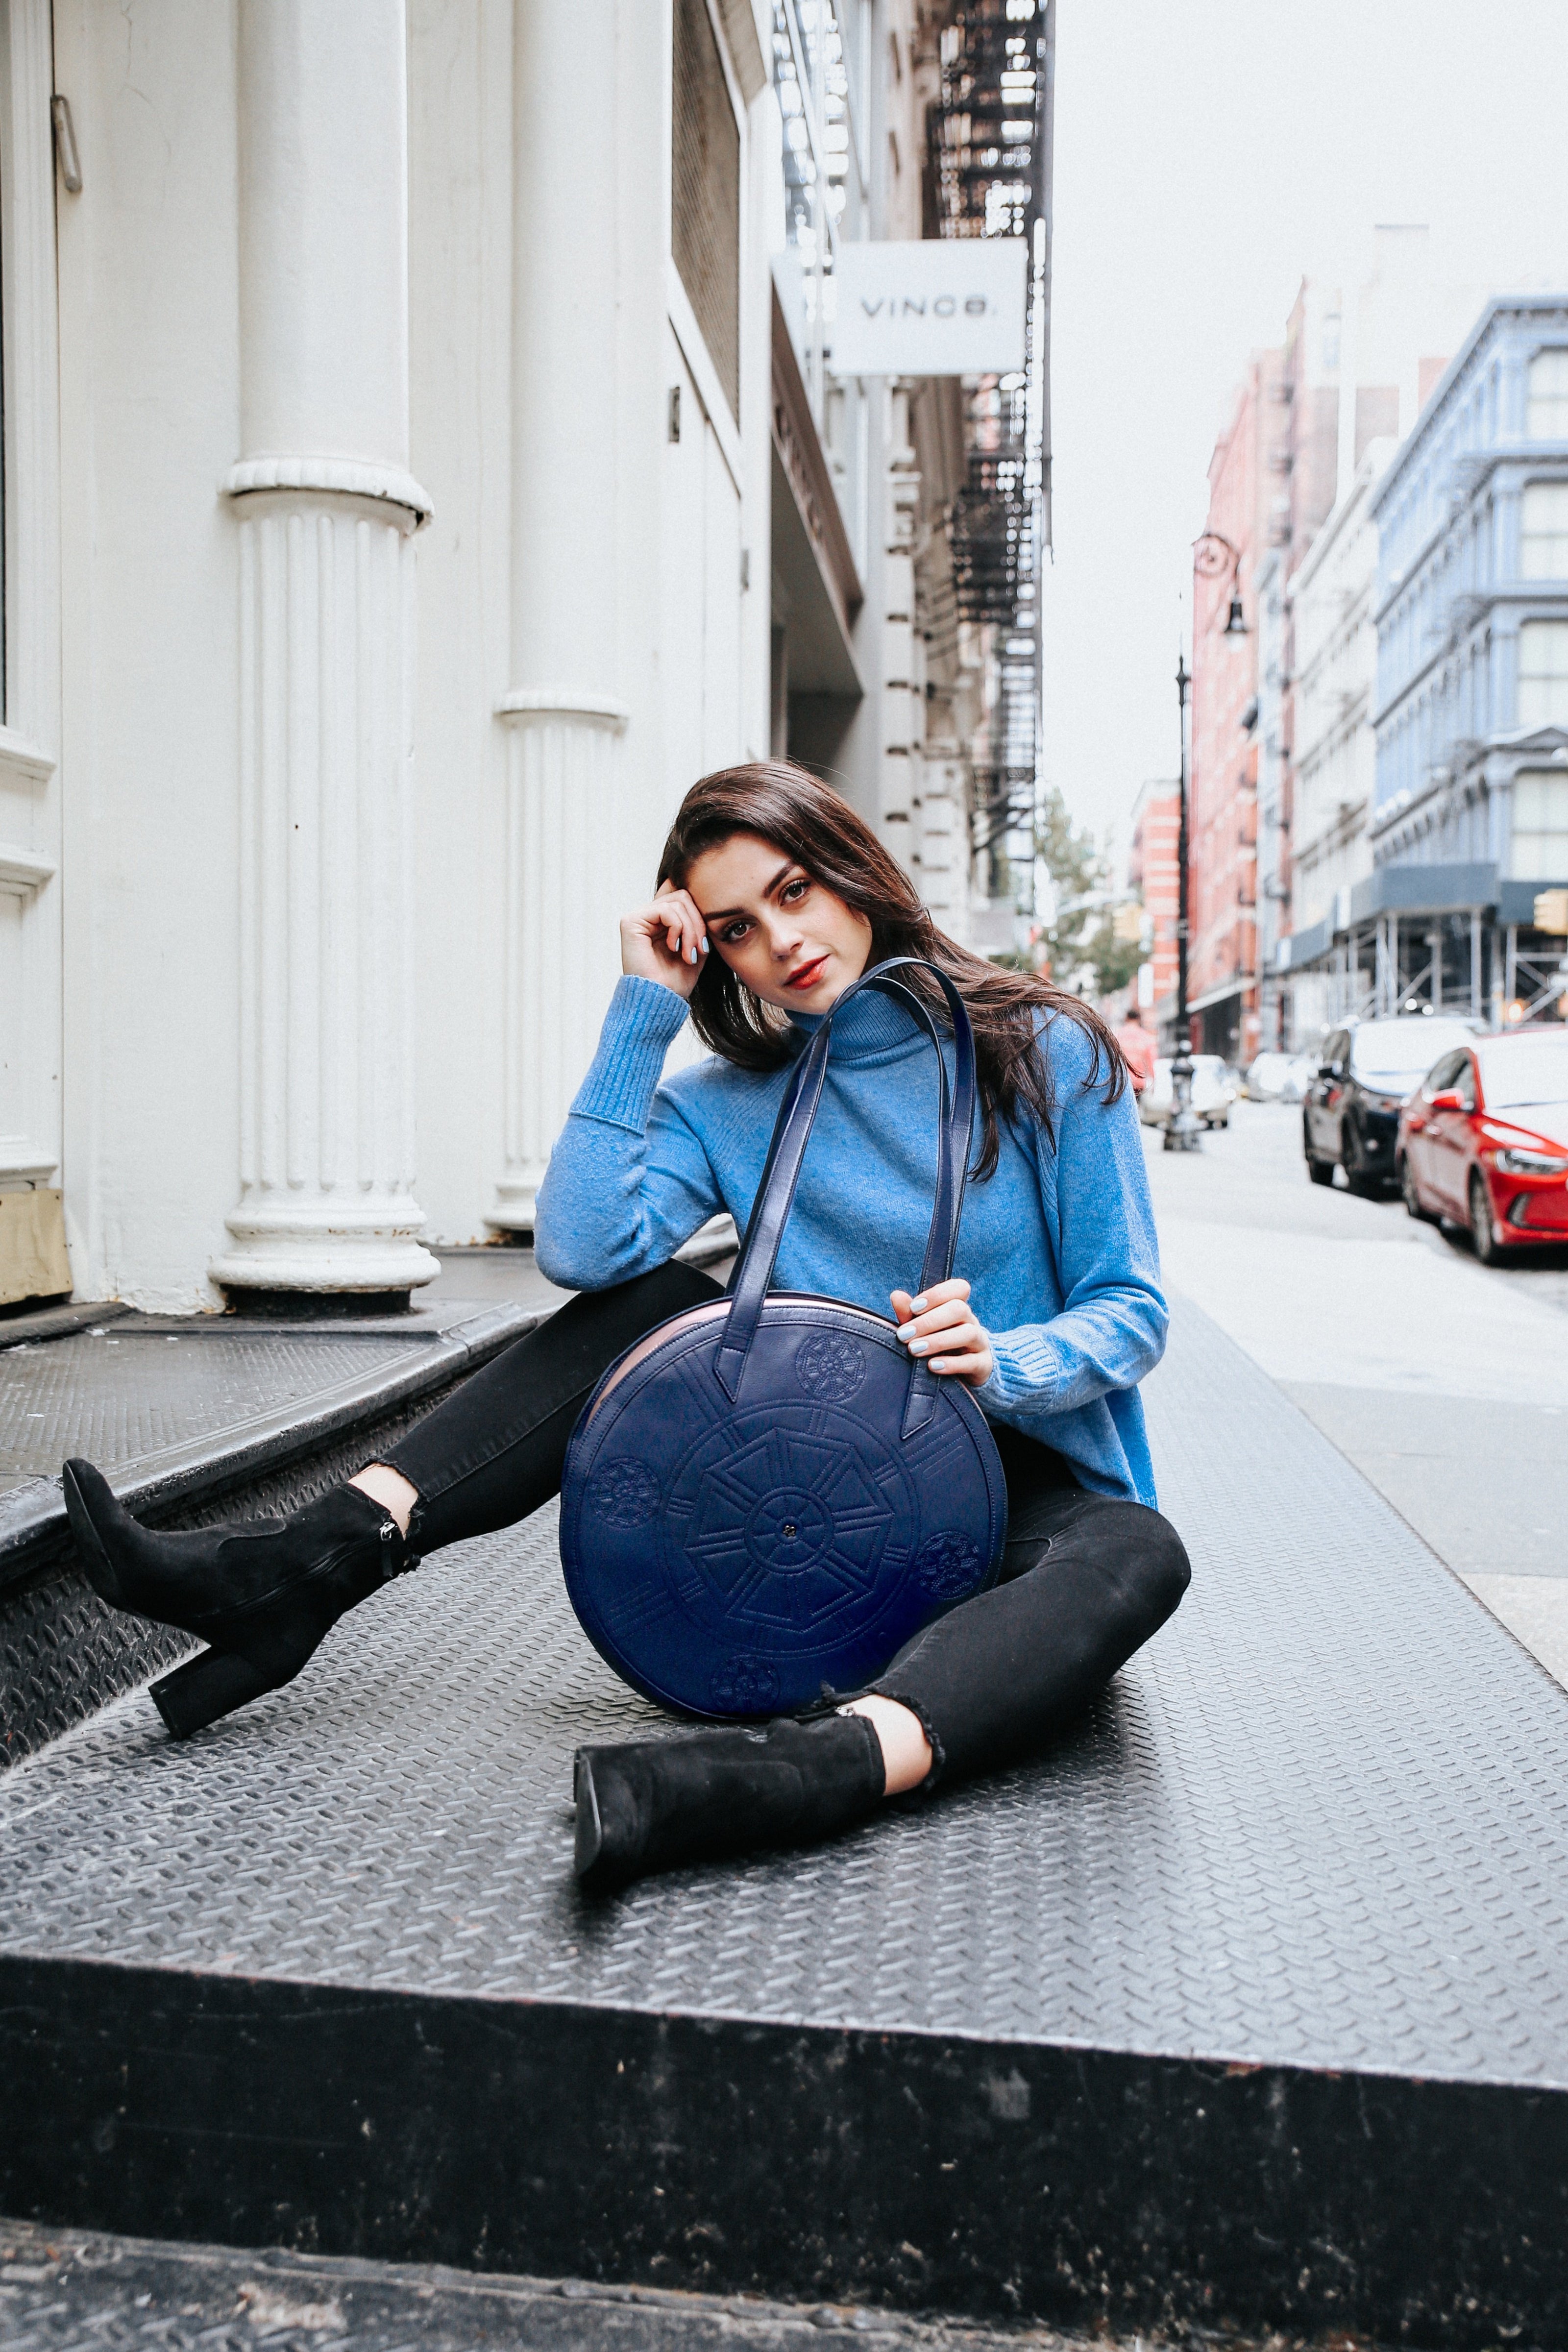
x,y
766,1498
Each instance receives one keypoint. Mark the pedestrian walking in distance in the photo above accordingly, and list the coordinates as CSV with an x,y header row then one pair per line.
x,y
1137,1050
773,899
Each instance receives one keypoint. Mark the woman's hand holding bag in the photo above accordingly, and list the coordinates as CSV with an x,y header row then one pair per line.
x,y
939,1326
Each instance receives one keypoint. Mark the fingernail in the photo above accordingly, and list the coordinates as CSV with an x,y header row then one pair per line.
x,y
919,1346
919,1306
705,947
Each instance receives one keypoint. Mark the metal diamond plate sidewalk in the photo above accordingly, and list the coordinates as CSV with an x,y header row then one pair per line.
x,y
114,2294
1316,1835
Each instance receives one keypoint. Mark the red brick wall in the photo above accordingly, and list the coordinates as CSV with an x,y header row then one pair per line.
x,y
1223,759
1153,873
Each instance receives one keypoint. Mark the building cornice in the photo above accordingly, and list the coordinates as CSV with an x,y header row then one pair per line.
x,y
1404,806
1511,595
24,870
1465,776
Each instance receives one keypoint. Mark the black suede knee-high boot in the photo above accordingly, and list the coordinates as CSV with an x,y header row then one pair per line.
x,y
657,1803
264,1592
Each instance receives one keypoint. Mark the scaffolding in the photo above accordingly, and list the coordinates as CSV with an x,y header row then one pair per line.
x,y
1462,962
989,174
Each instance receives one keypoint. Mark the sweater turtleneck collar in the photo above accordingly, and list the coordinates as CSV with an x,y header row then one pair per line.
x,y
875,1028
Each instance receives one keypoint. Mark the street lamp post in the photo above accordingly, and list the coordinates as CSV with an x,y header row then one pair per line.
x,y
1184,1130
1213,556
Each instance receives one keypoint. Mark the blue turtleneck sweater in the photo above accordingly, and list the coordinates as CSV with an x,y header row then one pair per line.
x,y
1058,1246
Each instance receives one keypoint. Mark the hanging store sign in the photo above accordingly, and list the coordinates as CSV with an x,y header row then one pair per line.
x,y
946,306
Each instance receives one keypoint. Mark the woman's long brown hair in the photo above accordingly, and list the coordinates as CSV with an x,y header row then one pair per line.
x,y
817,828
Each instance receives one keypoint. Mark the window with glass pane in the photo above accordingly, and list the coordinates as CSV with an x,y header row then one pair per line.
x,y
1542,674
1547,418
1540,852
1543,531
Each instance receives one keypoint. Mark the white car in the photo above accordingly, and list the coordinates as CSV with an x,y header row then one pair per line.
x,y
1281,1078
1214,1091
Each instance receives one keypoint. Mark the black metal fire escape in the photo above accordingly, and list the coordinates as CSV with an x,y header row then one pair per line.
x,y
989,174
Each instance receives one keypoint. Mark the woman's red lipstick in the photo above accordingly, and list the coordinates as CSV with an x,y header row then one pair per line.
x,y
807,975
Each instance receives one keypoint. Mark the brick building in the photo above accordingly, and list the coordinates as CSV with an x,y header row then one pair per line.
x,y
1154,875
1221,965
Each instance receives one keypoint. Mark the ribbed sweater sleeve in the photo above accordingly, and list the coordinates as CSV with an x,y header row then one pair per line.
x,y
1094,1185
628,1181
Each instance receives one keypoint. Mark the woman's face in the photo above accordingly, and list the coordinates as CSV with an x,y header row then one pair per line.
x,y
784,936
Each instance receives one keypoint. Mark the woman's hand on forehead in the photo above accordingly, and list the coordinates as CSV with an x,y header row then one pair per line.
x,y
666,940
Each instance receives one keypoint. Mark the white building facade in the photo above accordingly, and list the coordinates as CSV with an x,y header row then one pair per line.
x,y
1331,600
412,483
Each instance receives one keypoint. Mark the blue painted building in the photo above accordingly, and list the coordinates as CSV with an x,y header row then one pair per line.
x,y
1469,820
1469,816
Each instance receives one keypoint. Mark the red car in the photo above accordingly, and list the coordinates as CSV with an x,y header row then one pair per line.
x,y
1483,1141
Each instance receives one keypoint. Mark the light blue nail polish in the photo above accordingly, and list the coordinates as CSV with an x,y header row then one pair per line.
x,y
919,1306
919,1346
704,946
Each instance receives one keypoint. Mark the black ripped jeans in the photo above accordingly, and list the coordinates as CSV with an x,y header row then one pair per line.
x,y
1085,1579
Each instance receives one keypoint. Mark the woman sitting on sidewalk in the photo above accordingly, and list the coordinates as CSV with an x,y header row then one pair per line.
x,y
773,899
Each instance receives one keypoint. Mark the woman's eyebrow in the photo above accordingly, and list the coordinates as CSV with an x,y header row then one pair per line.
x,y
723,914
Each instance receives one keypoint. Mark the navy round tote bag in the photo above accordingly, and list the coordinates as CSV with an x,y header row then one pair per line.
x,y
768,1496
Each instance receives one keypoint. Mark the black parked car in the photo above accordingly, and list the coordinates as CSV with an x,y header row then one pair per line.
x,y
1350,1116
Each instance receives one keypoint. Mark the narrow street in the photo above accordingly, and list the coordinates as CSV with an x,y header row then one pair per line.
x,y
1443,1382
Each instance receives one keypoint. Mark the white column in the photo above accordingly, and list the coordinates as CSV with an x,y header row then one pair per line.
x,y
326,509
570,830
562,940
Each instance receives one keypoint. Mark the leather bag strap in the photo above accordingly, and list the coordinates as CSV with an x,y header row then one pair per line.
x,y
753,1277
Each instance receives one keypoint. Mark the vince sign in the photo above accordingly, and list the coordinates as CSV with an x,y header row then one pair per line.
x,y
946,306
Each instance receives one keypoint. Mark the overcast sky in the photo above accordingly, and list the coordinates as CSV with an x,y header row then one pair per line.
x,y
1207,156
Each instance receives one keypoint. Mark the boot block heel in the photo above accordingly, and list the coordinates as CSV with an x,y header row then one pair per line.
x,y
206,1687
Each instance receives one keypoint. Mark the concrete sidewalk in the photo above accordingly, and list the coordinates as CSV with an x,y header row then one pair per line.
x,y
1444,1381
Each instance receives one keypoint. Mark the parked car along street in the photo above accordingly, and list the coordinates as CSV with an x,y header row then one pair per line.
x,y
1214,1091
1483,1142
1350,1118
1280,1078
